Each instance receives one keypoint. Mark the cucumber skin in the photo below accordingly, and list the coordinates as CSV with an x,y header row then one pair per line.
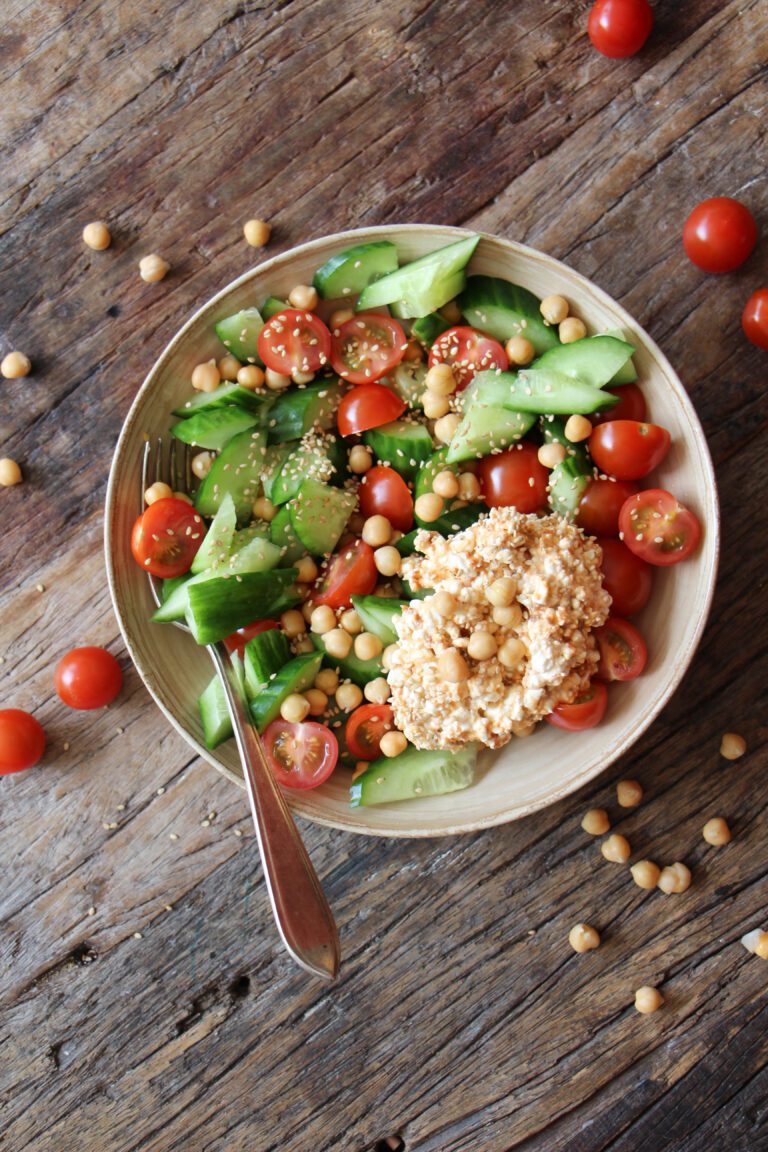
x,y
296,676
378,613
229,331
425,284
427,328
282,534
470,441
296,411
593,360
415,772
497,307
567,484
338,277
214,714
246,450
219,537
271,306
265,654
226,394
540,391
388,440
214,428
319,515
218,605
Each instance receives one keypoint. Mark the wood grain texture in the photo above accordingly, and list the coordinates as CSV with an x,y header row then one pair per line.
x,y
461,1020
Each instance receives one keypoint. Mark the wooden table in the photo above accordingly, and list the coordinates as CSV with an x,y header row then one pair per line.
x,y
146,1004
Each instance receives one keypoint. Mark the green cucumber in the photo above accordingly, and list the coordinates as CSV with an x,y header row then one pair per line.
x,y
351,667
503,309
214,714
415,593
316,457
276,456
541,391
349,272
319,515
484,428
378,614
282,534
428,471
217,543
257,555
408,381
219,605
414,773
214,427
221,397
265,654
568,482
628,373
425,284
271,306
296,676
298,410
406,544
175,603
240,333
237,471
553,432
427,328
404,445
457,519
595,360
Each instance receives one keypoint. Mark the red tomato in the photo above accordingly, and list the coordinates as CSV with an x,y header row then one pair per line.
x,y
294,341
719,234
22,740
619,28
514,479
586,711
623,653
88,678
628,449
626,578
657,528
368,406
166,537
383,492
631,405
238,640
467,351
367,347
754,318
351,572
599,507
365,728
300,755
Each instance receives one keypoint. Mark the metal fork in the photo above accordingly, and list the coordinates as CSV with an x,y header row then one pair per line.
x,y
304,919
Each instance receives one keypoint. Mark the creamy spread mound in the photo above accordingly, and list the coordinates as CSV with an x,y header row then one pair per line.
x,y
559,588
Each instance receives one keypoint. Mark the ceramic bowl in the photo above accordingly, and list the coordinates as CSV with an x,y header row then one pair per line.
x,y
527,774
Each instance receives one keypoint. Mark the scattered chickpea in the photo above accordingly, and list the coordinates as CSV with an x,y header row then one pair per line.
x,y
327,680
519,350
445,427
250,376
360,460
377,691
577,428
446,485
502,592
761,946
276,381
388,560
306,570
339,317
350,621
294,708
377,531
157,491
302,377
512,652
571,329
386,656
435,407
229,366
674,878
645,874
440,380
595,822
206,377
392,744
583,938
322,620
482,645
293,623
451,312
550,455
304,297
648,999
452,667
153,268
616,849
97,236
444,603
428,506
367,646
317,700
732,746
348,697
716,832
511,617
10,473
756,942
469,486
15,365
264,509
257,233
201,464
554,309
629,793
338,643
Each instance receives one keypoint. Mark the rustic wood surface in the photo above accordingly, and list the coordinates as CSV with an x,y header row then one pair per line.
x,y
146,1004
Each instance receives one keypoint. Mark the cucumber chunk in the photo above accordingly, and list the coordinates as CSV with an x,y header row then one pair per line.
x,y
503,309
378,614
237,471
217,542
214,714
319,515
265,655
351,271
271,306
424,285
427,328
221,397
351,667
628,373
553,432
404,446
276,456
457,519
295,676
297,411
256,555
240,333
316,457
415,772
175,603
595,360
567,484
408,380
541,391
219,605
214,427
484,428
282,534
428,471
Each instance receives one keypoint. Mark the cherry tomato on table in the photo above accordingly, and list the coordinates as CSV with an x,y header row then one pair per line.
x,y
719,234
657,528
599,507
631,405
166,537
22,740
627,579
467,351
365,728
300,755
351,572
514,479
628,449
754,318
585,712
368,406
88,678
383,492
294,341
623,652
619,28
238,640
367,347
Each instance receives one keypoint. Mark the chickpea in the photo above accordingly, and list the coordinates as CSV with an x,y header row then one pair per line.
x,y
388,560
157,491
250,376
571,329
339,317
761,946
519,350
322,620
377,531
206,377
183,496
276,381
469,486
293,623
10,473
451,312
445,427
577,428
229,366
648,999
446,485
444,603
348,697
257,233
596,822
716,832
440,380
629,793
303,646
317,700
583,938
367,646
294,708
482,645
645,874
307,609
512,653
674,879
452,667
511,617
201,464
360,460
153,268
732,746
550,455
15,365
338,643
327,680
304,297
428,507
386,656
435,406
616,849
377,691
554,309
385,590
392,744
502,592
264,509
306,570
97,236
350,621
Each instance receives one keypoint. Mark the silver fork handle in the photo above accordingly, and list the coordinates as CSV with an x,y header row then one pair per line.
x,y
301,912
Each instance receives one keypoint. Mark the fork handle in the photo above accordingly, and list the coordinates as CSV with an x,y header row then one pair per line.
x,y
302,914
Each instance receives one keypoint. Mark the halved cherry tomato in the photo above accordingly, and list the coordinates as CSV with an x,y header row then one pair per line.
x,y
300,755
368,406
631,405
238,640
166,537
351,572
383,492
599,507
585,712
367,347
754,318
719,234
623,652
657,528
514,479
468,352
619,28
626,578
628,449
294,341
88,678
365,728
22,740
